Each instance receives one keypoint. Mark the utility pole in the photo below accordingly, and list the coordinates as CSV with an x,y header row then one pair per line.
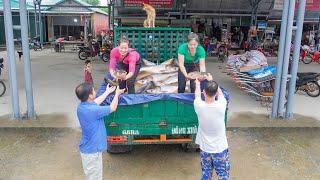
x,y
26,59
11,59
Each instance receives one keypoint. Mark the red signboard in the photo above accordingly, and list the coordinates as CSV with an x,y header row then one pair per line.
x,y
154,3
311,5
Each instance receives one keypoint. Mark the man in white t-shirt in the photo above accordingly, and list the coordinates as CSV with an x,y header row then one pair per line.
x,y
211,136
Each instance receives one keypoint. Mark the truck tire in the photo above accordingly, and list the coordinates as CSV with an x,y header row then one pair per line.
x,y
118,149
190,147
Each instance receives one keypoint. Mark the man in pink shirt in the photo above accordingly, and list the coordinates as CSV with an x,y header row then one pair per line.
x,y
128,60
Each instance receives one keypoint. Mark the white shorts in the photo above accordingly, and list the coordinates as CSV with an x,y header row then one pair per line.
x,y
92,166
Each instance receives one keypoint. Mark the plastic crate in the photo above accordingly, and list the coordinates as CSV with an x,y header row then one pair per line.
x,y
154,44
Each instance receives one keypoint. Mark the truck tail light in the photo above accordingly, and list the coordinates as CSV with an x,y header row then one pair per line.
x,y
117,139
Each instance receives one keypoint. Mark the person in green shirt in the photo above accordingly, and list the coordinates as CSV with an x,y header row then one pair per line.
x,y
191,57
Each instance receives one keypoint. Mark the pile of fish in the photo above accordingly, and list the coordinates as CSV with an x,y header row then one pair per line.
x,y
155,79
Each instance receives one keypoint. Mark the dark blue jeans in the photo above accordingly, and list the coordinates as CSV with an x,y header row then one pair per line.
x,y
191,67
129,83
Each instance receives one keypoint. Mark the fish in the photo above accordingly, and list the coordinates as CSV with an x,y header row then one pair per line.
x,y
159,69
170,69
168,62
163,89
161,77
142,75
144,80
155,90
171,80
196,74
144,88
148,63
111,82
156,79
120,72
150,69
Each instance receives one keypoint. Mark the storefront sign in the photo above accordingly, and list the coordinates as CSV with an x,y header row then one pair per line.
x,y
262,25
311,5
154,3
278,5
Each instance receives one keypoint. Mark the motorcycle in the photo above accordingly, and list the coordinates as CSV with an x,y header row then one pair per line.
x,y
253,44
85,52
309,57
1,64
222,51
307,82
267,51
2,85
35,44
105,51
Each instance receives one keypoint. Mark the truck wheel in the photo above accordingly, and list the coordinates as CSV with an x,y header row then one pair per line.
x,y
118,149
188,147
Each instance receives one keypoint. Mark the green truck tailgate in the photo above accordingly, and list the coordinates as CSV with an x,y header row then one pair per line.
x,y
158,122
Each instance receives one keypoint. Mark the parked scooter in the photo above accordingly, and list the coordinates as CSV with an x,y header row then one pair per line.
x,y
105,51
307,56
85,52
222,51
35,43
2,85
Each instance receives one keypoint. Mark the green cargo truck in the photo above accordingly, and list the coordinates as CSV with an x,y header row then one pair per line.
x,y
162,121
152,119
155,122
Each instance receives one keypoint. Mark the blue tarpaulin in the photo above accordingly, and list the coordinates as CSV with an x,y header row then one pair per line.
x,y
131,99
271,68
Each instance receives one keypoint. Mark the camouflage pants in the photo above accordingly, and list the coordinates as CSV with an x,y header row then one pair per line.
x,y
218,161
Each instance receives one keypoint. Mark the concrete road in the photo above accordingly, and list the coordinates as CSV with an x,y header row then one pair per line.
x,y
256,153
54,76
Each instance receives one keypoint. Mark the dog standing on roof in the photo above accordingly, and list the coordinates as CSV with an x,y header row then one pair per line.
x,y
151,16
